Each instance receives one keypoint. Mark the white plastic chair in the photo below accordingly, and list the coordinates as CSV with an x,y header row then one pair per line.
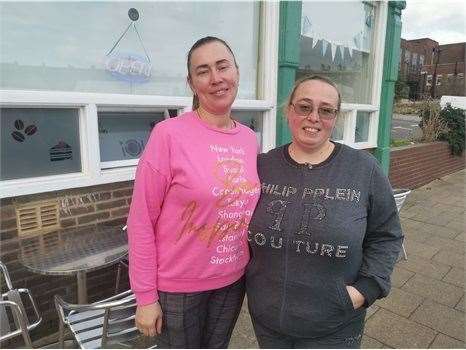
x,y
400,195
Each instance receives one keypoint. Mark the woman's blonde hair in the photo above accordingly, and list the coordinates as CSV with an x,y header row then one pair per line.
x,y
308,78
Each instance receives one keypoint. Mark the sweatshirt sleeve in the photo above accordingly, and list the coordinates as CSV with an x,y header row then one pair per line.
x,y
382,242
150,186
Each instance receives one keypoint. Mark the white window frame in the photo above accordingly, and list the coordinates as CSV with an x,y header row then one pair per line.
x,y
90,103
350,110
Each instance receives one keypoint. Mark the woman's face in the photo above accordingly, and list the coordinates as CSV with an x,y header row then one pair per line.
x,y
312,132
214,77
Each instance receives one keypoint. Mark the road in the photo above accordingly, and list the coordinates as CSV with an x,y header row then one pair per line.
x,y
405,127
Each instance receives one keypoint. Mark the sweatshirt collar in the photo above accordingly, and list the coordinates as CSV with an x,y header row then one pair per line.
x,y
291,161
193,115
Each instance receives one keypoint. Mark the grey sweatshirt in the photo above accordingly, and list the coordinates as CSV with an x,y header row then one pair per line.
x,y
315,230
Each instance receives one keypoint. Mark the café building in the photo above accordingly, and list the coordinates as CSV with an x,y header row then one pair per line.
x,y
83,83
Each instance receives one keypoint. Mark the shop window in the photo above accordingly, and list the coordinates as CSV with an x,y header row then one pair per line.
x,y
337,134
39,142
341,48
123,135
97,47
363,120
253,120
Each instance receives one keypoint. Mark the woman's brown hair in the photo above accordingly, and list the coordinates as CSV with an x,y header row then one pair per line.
x,y
198,44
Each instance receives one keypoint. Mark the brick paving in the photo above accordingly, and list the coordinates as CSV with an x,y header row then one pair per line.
x,y
426,306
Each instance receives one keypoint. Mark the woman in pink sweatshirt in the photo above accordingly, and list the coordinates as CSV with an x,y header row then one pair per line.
x,y
195,190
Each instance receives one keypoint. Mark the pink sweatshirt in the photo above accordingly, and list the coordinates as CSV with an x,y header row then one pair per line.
x,y
195,191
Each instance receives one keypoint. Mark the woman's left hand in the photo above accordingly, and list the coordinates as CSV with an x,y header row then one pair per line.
x,y
356,297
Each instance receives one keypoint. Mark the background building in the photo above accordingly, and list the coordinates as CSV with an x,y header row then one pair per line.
x,y
423,60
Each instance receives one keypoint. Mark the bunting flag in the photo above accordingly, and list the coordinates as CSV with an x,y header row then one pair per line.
x,y
333,48
360,41
324,46
305,25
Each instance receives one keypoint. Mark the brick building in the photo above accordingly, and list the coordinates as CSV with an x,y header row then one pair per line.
x,y
422,59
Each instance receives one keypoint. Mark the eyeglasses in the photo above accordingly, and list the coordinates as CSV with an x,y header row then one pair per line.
x,y
305,109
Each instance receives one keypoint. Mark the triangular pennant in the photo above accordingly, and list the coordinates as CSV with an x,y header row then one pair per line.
x,y
324,47
333,48
306,26
350,50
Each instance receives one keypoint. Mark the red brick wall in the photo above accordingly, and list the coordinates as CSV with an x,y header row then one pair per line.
x,y
452,53
107,204
416,165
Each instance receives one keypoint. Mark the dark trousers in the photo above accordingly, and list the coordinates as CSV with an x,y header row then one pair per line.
x,y
348,337
201,319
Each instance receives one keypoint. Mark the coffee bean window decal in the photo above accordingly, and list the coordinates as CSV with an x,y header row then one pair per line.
x,y
18,133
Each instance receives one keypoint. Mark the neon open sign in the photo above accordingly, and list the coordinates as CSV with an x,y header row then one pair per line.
x,y
129,67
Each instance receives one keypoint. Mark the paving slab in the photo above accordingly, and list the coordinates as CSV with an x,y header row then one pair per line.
x,y
243,334
441,318
461,237
441,231
417,234
455,276
457,225
439,220
444,293
400,276
400,302
424,266
420,249
443,341
371,310
451,244
460,305
398,332
371,343
448,257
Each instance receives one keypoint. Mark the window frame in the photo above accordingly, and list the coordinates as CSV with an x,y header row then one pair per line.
x,y
89,104
350,109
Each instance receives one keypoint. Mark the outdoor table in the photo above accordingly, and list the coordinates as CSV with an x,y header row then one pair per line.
x,y
74,251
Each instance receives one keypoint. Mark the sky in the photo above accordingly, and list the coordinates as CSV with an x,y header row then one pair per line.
x,y
441,20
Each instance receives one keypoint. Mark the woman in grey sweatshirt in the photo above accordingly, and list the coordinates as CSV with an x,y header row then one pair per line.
x,y
325,234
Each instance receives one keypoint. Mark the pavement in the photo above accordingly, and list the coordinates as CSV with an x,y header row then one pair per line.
x,y
405,127
426,306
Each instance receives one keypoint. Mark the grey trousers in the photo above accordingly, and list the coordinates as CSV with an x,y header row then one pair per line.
x,y
202,319
348,337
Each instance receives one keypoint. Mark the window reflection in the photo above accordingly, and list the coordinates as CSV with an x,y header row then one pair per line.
x,y
70,46
336,41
